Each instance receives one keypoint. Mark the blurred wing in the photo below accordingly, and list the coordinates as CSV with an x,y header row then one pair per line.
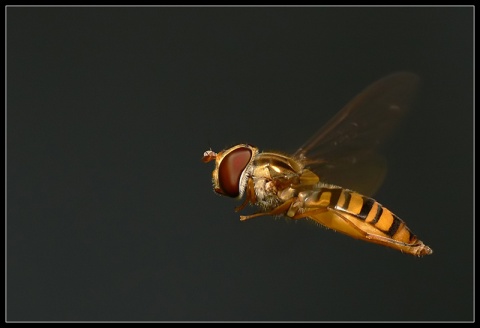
x,y
342,152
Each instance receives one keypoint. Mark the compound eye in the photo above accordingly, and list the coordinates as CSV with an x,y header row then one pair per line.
x,y
231,169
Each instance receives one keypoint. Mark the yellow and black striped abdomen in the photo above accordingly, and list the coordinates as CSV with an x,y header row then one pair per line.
x,y
371,212
360,217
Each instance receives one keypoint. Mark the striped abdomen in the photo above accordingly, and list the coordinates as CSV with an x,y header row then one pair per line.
x,y
358,216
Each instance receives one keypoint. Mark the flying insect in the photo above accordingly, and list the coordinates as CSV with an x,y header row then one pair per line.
x,y
332,177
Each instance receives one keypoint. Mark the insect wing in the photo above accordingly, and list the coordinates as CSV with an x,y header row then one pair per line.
x,y
342,152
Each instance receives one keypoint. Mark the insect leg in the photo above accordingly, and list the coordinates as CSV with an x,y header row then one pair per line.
x,y
281,209
338,222
334,220
249,197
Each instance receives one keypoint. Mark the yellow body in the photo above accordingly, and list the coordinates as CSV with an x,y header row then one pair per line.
x,y
281,186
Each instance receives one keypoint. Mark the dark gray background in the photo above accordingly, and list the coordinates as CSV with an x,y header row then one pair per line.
x,y
111,214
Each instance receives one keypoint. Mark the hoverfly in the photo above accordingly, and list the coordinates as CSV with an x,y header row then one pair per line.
x,y
312,183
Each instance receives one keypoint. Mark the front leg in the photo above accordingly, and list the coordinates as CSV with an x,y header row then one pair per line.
x,y
250,196
281,209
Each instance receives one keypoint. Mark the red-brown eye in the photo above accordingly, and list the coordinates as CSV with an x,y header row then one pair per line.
x,y
231,169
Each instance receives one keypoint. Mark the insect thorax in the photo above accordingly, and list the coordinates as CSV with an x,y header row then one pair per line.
x,y
274,176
